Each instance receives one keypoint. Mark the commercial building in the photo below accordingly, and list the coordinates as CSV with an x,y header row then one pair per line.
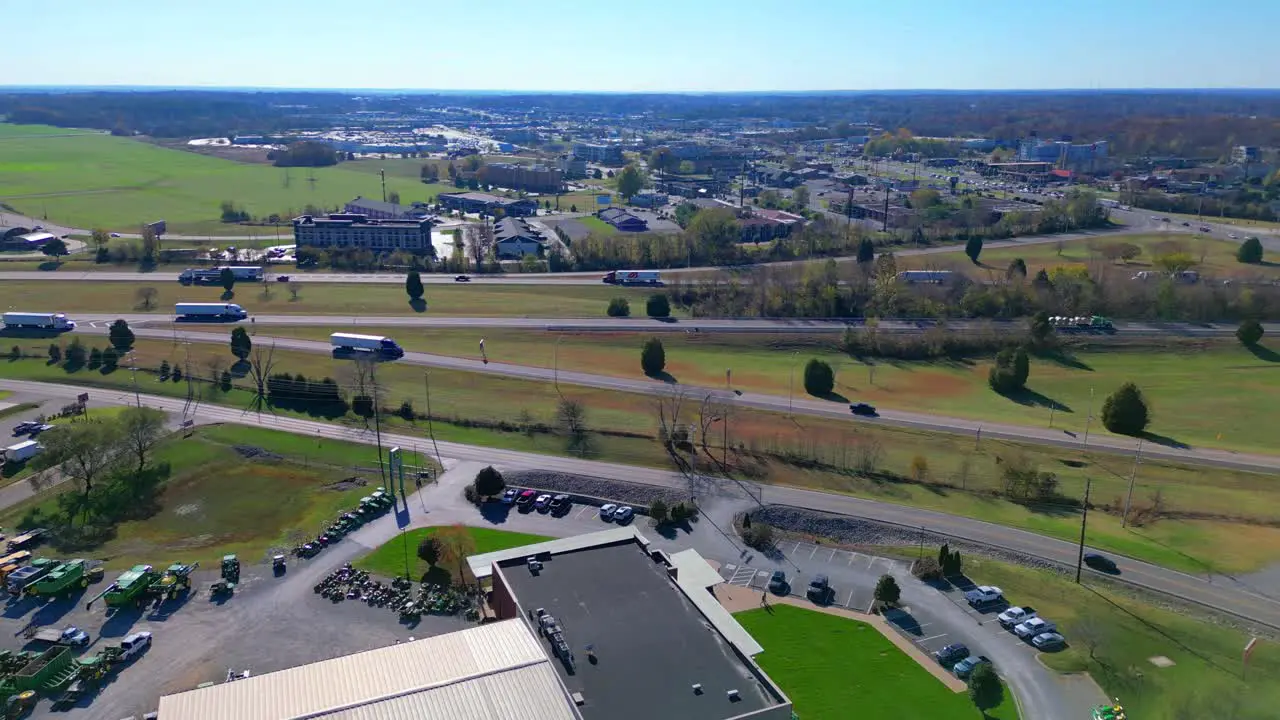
x,y
648,199
623,220
603,153
514,238
1241,154
379,210
27,241
1062,152
530,178
599,627
572,167
478,202
346,231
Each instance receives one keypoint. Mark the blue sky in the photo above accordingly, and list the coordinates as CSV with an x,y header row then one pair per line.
x,y
651,45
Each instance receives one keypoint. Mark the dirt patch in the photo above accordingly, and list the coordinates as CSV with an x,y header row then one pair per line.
x,y
187,509
350,483
250,452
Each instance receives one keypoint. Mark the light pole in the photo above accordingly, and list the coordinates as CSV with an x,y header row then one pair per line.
x,y
791,384
133,369
555,361
1128,502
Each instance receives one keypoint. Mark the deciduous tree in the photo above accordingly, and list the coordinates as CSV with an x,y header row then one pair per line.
x,y
241,343
413,285
1249,333
630,181
120,335
1250,251
489,482
985,688
142,428
887,590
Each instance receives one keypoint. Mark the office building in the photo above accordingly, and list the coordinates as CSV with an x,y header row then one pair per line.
x,y
347,231
529,178
604,154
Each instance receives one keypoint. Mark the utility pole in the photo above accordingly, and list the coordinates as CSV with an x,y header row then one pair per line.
x,y
555,362
133,368
1084,521
1133,475
383,175
884,227
426,379
791,384
377,428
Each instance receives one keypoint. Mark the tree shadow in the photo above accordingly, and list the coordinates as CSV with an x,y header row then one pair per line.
x,y
418,304
1031,398
437,575
227,295
1162,632
1064,359
49,266
240,369
665,377
833,396
1165,440
1264,354
495,512
903,620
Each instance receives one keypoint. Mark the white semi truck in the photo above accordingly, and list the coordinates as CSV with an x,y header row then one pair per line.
x,y
209,311
378,344
632,277
43,321
210,276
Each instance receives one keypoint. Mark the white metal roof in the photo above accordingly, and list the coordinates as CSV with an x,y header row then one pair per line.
x,y
490,672
694,575
481,566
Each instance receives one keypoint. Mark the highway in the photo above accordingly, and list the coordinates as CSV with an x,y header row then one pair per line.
x,y
1214,592
799,404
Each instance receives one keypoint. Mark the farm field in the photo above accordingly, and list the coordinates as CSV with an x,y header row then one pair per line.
x,y
388,559
96,180
336,300
218,498
1233,386
1113,636
1223,520
1215,257
828,664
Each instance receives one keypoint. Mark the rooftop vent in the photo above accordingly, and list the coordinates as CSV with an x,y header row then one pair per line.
x,y
697,688
733,696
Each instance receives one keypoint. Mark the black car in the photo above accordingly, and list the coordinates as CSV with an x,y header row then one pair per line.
x,y
862,409
462,278
819,589
1101,563
25,427
282,278
778,582
952,654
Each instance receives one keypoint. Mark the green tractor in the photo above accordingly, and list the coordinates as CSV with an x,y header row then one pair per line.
x,y
63,579
1109,712
175,580
231,568
128,589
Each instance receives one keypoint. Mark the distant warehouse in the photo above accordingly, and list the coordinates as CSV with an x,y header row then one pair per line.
x,y
348,230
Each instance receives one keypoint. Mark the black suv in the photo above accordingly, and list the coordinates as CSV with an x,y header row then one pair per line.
x,y
862,409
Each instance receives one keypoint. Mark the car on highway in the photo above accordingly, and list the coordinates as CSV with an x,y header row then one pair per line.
x,y
282,278
1034,626
1101,563
115,235
623,514
819,589
543,502
1186,224
509,496
1015,615
1233,236
1048,641
525,499
778,583
964,668
862,408
462,278
607,510
951,654
984,595
560,504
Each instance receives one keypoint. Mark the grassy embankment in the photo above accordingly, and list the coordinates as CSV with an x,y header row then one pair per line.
x,y
1232,528
388,559
217,501
828,665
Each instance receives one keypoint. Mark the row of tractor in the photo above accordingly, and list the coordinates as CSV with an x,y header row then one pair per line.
x,y
371,506
58,673
143,585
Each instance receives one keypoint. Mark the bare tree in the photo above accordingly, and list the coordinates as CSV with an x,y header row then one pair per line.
x,y
572,416
1089,632
868,454
295,289
146,297
668,405
714,408
142,427
261,362
480,240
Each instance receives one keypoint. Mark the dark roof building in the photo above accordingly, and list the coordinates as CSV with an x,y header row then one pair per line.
x,y
623,220
514,238
478,202
379,210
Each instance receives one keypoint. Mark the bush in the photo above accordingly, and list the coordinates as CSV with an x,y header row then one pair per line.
x,y
1249,333
658,306
489,482
758,536
76,354
469,492
95,359
1125,411
405,411
362,405
1010,372
55,353
429,550
887,590
110,359
164,369
658,511
819,378
927,569
619,307
682,511
653,358
1250,251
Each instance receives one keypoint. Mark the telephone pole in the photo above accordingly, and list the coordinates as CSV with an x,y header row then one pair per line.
x,y
1084,521
1133,475
884,227
383,175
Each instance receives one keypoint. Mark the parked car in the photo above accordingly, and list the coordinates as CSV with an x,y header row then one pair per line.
x,y
1034,626
606,511
25,427
543,502
1048,641
526,498
75,636
1015,615
135,643
462,278
778,582
984,595
964,668
282,278
862,409
819,589
1101,563
45,427
952,654
509,496
560,504
623,514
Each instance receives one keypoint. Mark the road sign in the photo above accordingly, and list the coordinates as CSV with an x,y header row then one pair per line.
x,y
158,227
83,398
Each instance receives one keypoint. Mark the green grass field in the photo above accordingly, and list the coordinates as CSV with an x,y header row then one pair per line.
x,y
217,501
1206,678
337,300
1233,386
95,180
388,559
830,665
597,226
1233,528
1214,257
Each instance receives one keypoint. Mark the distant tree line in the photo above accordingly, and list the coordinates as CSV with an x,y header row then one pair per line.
x,y
306,153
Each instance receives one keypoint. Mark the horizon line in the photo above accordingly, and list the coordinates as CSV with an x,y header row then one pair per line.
x,y
491,91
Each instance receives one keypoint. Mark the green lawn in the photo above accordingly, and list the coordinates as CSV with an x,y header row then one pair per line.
x,y
336,299
388,559
597,226
833,667
217,501
95,180
1205,679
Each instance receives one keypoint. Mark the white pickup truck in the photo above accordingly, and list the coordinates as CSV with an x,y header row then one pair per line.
x,y
1034,626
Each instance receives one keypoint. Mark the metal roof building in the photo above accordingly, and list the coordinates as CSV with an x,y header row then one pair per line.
x,y
497,671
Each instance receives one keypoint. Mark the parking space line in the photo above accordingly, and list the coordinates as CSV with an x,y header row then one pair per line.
x,y
852,556
796,549
849,603
813,552
833,556
871,562
931,637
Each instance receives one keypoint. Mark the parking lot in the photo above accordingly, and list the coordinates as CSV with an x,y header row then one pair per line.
x,y
852,575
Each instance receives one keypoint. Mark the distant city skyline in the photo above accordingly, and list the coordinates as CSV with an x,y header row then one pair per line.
x,y
660,46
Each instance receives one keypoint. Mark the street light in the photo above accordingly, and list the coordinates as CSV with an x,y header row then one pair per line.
x,y
555,361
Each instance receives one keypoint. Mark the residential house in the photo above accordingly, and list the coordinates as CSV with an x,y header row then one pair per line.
x,y
623,220
514,238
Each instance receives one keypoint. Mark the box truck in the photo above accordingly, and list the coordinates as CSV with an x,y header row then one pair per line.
x,y
209,311
22,452
44,321
632,277
384,346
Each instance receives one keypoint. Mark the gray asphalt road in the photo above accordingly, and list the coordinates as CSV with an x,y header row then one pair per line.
x,y
799,404
1212,592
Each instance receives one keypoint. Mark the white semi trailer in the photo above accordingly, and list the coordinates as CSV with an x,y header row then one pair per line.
x,y
209,311
43,321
